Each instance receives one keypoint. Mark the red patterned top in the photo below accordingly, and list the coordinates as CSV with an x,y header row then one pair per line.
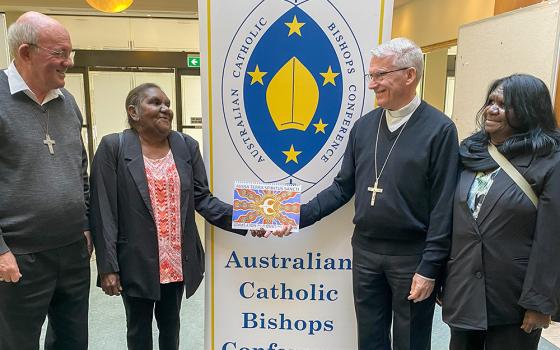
x,y
165,196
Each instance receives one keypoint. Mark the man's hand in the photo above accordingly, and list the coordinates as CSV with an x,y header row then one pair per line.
x,y
421,288
281,232
534,320
111,283
89,242
9,270
284,231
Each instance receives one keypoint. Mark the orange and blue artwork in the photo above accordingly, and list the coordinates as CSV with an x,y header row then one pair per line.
x,y
267,206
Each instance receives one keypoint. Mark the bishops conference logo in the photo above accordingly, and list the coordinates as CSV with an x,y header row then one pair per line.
x,y
292,87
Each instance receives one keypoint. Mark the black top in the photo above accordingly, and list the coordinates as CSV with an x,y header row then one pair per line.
x,y
122,223
504,262
413,213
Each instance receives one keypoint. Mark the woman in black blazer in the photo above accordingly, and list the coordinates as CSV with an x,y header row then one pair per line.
x,y
146,184
503,278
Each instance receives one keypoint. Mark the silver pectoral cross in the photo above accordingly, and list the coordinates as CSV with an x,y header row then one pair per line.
x,y
49,143
374,191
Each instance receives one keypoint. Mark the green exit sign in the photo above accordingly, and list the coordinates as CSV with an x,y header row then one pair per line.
x,y
193,61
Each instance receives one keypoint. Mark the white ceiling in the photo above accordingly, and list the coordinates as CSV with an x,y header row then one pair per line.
x,y
162,8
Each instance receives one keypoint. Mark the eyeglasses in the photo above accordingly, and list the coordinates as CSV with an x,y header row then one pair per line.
x,y
62,54
378,76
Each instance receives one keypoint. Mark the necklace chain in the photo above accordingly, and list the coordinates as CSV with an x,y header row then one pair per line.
x,y
46,126
48,141
378,175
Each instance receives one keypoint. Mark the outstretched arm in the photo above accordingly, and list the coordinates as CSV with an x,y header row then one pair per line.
x,y
337,194
215,211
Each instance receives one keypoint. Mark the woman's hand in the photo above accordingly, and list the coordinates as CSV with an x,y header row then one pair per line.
x,y
111,283
534,320
281,232
260,233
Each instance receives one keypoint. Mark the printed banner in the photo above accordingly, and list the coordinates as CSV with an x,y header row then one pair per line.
x,y
283,82
265,206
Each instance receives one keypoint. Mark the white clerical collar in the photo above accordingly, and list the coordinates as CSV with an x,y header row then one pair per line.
x,y
395,119
17,84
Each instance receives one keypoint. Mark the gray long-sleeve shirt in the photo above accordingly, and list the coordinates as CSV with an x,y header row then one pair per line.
x,y
43,196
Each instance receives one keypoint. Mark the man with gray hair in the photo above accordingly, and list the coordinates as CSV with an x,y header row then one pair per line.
x,y
401,164
45,244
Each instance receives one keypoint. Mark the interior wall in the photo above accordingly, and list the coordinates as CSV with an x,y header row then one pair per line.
x,y
4,58
108,93
12,16
435,76
497,47
508,5
428,22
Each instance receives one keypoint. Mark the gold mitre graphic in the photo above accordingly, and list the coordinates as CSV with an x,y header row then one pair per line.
x,y
292,96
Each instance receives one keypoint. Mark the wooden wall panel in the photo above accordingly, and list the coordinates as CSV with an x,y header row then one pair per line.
x,y
502,6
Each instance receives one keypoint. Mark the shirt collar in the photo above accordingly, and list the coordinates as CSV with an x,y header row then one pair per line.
x,y
17,84
406,110
400,116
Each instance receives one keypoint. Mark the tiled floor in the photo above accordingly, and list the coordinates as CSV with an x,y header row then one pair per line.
x,y
107,324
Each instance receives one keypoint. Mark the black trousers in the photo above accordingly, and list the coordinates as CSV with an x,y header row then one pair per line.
x,y
507,337
55,283
381,288
140,312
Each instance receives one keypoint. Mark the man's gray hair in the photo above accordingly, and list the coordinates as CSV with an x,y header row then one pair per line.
x,y
21,32
406,52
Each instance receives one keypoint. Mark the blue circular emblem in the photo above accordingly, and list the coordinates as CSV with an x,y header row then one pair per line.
x,y
292,87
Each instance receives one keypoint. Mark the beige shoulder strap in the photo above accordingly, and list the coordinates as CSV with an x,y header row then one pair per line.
x,y
513,173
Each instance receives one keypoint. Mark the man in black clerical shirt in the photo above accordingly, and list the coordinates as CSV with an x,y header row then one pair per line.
x,y
401,164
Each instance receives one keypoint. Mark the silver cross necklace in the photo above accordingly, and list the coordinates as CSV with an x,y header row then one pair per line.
x,y
48,141
376,189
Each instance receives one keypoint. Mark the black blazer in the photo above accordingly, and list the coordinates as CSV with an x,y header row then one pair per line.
x,y
506,261
122,222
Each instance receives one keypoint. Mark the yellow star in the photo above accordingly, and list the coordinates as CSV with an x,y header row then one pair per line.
x,y
291,155
295,26
329,76
257,75
320,126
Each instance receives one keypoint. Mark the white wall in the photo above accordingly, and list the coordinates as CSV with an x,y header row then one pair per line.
x,y
122,33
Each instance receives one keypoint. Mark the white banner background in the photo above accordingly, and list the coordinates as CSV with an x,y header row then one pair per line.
x,y
232,320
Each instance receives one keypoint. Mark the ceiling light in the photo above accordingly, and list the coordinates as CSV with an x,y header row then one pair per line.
x,y
111,6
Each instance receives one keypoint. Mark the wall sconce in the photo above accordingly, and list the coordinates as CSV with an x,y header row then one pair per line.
x,y
110,6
